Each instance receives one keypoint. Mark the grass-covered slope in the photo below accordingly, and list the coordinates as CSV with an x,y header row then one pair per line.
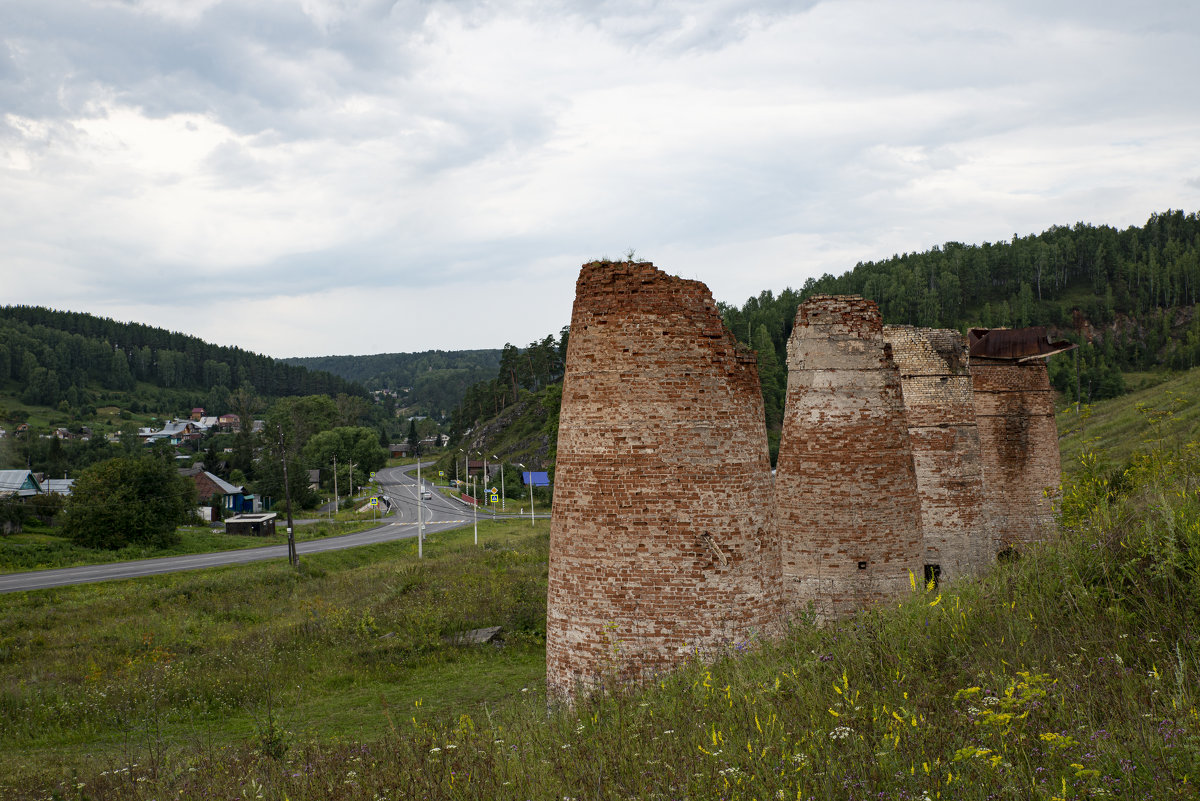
x,y
1166,414
96,678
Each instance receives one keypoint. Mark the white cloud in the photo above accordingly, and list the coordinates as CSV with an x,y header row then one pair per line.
x,y
332,173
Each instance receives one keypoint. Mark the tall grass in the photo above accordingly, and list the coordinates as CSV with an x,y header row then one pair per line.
x,y
1068,673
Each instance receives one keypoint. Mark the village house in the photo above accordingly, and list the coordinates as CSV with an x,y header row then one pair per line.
x,y
57,486
19,483
233,498
174,432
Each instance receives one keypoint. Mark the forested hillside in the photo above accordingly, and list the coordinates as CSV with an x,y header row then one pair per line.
x,y
50,356
532,368
1129,297
433,381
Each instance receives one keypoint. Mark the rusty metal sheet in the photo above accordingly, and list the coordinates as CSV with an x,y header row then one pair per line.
x,y
1018,344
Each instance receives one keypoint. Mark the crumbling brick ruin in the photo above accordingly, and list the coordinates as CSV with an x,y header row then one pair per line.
x,y
901,448
1018,438
660,541
939,404
847,513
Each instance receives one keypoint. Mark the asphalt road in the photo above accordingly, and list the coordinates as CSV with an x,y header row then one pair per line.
x,y
398,484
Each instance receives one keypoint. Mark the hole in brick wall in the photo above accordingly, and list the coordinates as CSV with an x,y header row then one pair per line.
x,y
932,573
862,565
1008,554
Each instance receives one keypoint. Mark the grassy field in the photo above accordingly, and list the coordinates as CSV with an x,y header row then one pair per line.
x,y
1167,412
264,655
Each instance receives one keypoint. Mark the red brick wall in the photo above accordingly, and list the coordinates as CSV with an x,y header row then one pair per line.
x,y
660,542
939,405
845,486
205,487
1014,405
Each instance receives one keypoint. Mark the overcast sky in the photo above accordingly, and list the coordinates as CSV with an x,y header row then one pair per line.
x,y
309,177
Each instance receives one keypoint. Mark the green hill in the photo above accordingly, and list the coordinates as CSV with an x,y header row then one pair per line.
x,y
94,376
1129,297
431,382
1166,413
49,357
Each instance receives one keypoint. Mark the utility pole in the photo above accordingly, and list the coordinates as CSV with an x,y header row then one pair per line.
x,y
351,485
420,515
335,495
485,475
530,477
293,557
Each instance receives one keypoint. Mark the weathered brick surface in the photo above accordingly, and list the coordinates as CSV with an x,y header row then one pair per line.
x,y
939,405
1014,405
897,451
660,541
847,512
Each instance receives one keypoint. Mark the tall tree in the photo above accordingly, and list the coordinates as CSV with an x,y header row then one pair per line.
x,y
129,500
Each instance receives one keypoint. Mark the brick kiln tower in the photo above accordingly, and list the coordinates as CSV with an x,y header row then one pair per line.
x,y
847,512
1014,405
660,541
939,403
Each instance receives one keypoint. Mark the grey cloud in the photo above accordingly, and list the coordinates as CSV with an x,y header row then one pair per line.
x,y
260,69
236,55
